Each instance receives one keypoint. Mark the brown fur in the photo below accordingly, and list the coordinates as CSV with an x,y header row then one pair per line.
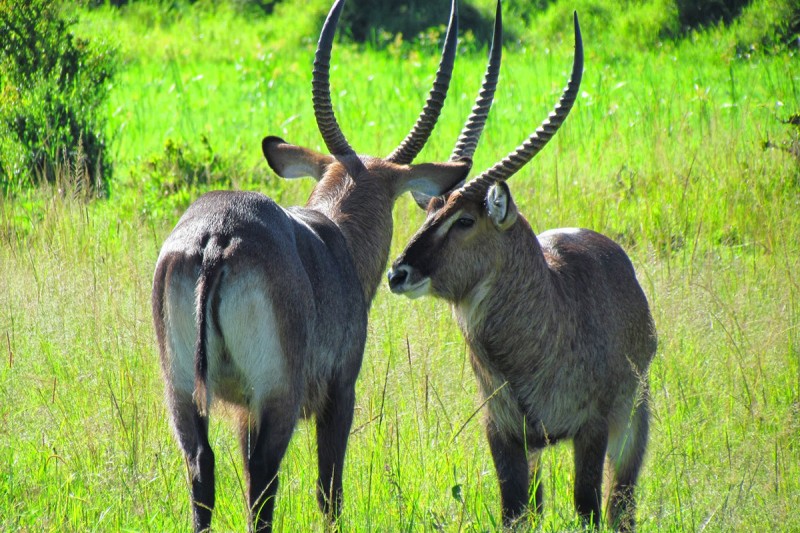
x,y
312,272
265,308
560,337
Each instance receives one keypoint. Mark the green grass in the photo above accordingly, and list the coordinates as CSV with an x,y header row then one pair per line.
x,y
663,152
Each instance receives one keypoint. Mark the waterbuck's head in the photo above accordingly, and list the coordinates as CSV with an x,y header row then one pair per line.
x,y
469,229
348,182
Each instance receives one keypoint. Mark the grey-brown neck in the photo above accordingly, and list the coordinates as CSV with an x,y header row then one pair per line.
x,y
522,281
363,213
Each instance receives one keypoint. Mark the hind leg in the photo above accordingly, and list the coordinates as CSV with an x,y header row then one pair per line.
x,y
626,454
264,447
191,430
174,321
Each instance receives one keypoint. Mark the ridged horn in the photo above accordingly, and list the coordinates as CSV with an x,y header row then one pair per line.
x,y
517,159
321,94
415,140
473,128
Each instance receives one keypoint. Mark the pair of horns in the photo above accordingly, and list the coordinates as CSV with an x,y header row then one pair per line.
x,y
323,110
470,134
410,147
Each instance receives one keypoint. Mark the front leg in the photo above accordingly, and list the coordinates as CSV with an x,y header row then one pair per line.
x,y
333,430
511,463
590,445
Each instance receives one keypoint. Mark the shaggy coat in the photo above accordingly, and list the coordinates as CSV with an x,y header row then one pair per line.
x,y
560,337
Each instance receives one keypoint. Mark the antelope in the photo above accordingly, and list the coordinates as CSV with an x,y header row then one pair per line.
x,y
264,308
559,331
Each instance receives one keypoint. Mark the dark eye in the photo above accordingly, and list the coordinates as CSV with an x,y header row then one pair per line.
x,y
465,222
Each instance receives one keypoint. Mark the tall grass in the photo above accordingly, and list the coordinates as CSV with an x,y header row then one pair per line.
x,y
663,152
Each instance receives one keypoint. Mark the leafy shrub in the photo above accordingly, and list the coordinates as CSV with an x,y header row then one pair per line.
x,y
181,165
755,23
52,89
739,26
768,25
172,179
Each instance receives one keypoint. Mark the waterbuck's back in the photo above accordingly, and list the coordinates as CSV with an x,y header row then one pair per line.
x,y
280,285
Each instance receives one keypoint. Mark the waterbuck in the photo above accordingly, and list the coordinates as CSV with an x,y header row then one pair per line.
x,y
265,308
559,331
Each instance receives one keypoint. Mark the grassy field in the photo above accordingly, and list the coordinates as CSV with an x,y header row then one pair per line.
x,y
663,151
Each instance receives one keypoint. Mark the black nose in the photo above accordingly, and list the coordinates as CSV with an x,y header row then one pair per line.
x,y
397,276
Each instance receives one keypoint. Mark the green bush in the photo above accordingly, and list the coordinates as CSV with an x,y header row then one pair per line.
x,y
755,23
52,89
767,25
695,14
169,181
182,166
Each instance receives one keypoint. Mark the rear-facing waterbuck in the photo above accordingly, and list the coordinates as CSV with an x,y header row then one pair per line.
x,y
559,331
265,308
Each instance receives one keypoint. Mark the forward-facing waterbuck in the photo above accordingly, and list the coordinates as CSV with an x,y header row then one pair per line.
x,y
265,308
559,331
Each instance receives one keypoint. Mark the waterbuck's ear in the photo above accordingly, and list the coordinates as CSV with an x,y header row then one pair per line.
x,y
500,206
427,180
424,200
290,161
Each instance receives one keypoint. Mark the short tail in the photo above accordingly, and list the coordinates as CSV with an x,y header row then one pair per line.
x,y
209,270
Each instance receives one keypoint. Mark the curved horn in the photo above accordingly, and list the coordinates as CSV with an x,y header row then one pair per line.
x,y
419,134
514,161
321,94
473,128
471,133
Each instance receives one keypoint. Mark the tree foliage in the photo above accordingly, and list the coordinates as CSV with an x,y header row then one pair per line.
x,y
52,89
